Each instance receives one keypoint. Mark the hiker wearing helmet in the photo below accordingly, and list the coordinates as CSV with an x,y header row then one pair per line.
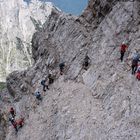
x,y
44,83
135,60
123,48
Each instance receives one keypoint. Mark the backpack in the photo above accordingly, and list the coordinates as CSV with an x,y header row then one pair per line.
x,y
43,82
138,76
87,59
135,57
38,93
61,65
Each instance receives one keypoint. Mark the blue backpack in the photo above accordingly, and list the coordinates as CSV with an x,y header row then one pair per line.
x,y
37,94
136,57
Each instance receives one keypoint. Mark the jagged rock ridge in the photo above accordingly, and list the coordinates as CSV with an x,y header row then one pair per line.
x,y
100,103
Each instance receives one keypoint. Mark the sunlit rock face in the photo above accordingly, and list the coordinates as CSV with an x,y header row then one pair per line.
x,y
18,22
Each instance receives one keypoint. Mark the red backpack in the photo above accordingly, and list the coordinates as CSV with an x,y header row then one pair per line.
x,y
138,76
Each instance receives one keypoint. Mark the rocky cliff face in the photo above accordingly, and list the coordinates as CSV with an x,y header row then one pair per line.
x,y
18,22
100,103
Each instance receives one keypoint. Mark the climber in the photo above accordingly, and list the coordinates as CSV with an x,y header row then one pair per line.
x,y
14,123
138,73
12,112
123,48
86,62
38,95
20,122
44,83
50,79
61,67
135,60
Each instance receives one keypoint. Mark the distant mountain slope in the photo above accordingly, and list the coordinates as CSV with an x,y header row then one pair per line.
x,y
18,22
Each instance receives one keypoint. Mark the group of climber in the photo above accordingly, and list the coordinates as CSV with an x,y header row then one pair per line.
x,y
17,123
135,66
49,79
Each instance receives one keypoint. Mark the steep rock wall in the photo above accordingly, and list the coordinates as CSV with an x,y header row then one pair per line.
x,y
100,103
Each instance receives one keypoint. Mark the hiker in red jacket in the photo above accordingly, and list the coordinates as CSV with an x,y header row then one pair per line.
x,y
123,48
138,73
20,122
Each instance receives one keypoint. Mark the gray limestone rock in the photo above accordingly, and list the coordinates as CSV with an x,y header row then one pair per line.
x,y
99,103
